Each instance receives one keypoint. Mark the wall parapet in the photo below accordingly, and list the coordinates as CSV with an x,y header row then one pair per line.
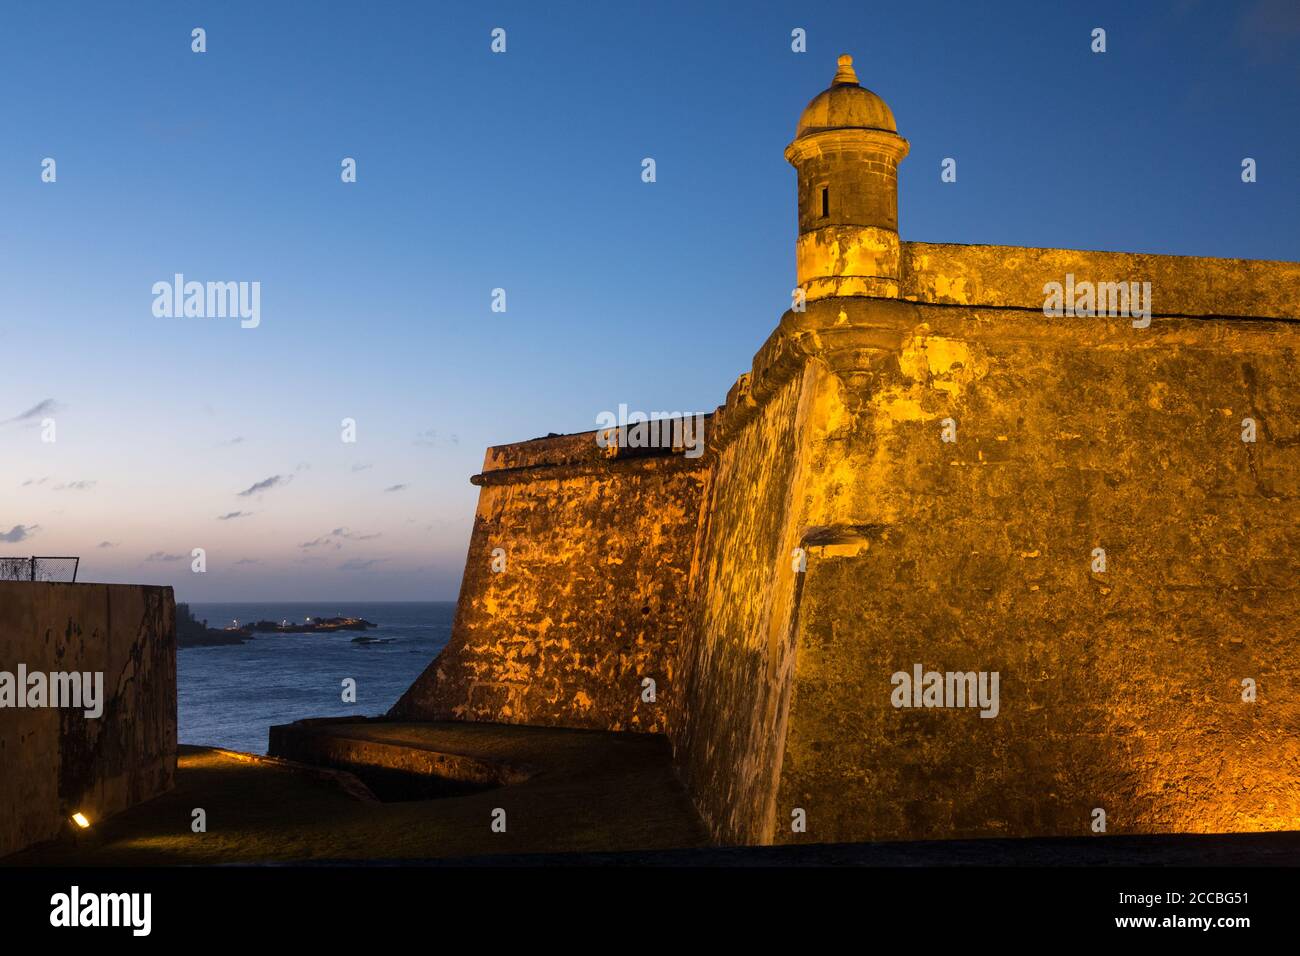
x,y
560,457
1012,277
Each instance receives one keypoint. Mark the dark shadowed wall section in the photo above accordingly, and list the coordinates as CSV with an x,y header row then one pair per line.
x,y
55,762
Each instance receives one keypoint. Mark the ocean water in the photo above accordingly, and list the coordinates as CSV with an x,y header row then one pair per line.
x,y
229,696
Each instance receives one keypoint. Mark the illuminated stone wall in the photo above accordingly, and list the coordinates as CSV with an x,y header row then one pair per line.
x,y
54,762
925,468
738,665
1119,690
588,598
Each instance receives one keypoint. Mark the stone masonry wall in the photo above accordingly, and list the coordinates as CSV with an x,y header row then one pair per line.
x,y
729,744
592,598
1119,690
54,762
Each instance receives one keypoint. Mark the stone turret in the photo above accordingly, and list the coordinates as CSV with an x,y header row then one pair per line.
x,y
846,151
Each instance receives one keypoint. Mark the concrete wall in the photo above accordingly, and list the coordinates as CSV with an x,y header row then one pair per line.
x,y
592,598
57,761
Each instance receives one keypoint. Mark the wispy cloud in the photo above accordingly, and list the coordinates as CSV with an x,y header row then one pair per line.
x,y
62,486
324,542
164,556
107,544
46,407
360,564
19,532
237,440
395,488
266,484
231,515
361,467
337,536
429,438
75,486
247,561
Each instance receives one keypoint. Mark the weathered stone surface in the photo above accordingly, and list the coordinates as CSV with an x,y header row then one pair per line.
x,y
1014,276
591,600
846,152
54,762
832,538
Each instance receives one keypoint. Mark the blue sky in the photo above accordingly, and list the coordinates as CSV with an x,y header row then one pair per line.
x,y
521,171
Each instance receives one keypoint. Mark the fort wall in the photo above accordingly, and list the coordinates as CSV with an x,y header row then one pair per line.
x,y
58,761
739,666
585,598
924,468
1013,277
1120,690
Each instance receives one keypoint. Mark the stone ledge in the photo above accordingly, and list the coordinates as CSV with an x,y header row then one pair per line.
x,y
1013,277
351,747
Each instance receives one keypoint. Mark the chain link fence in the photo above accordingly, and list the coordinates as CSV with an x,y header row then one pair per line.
x,y
39,569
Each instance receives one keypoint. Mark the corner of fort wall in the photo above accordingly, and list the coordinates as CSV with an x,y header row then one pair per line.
x,y
575,590
831,538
